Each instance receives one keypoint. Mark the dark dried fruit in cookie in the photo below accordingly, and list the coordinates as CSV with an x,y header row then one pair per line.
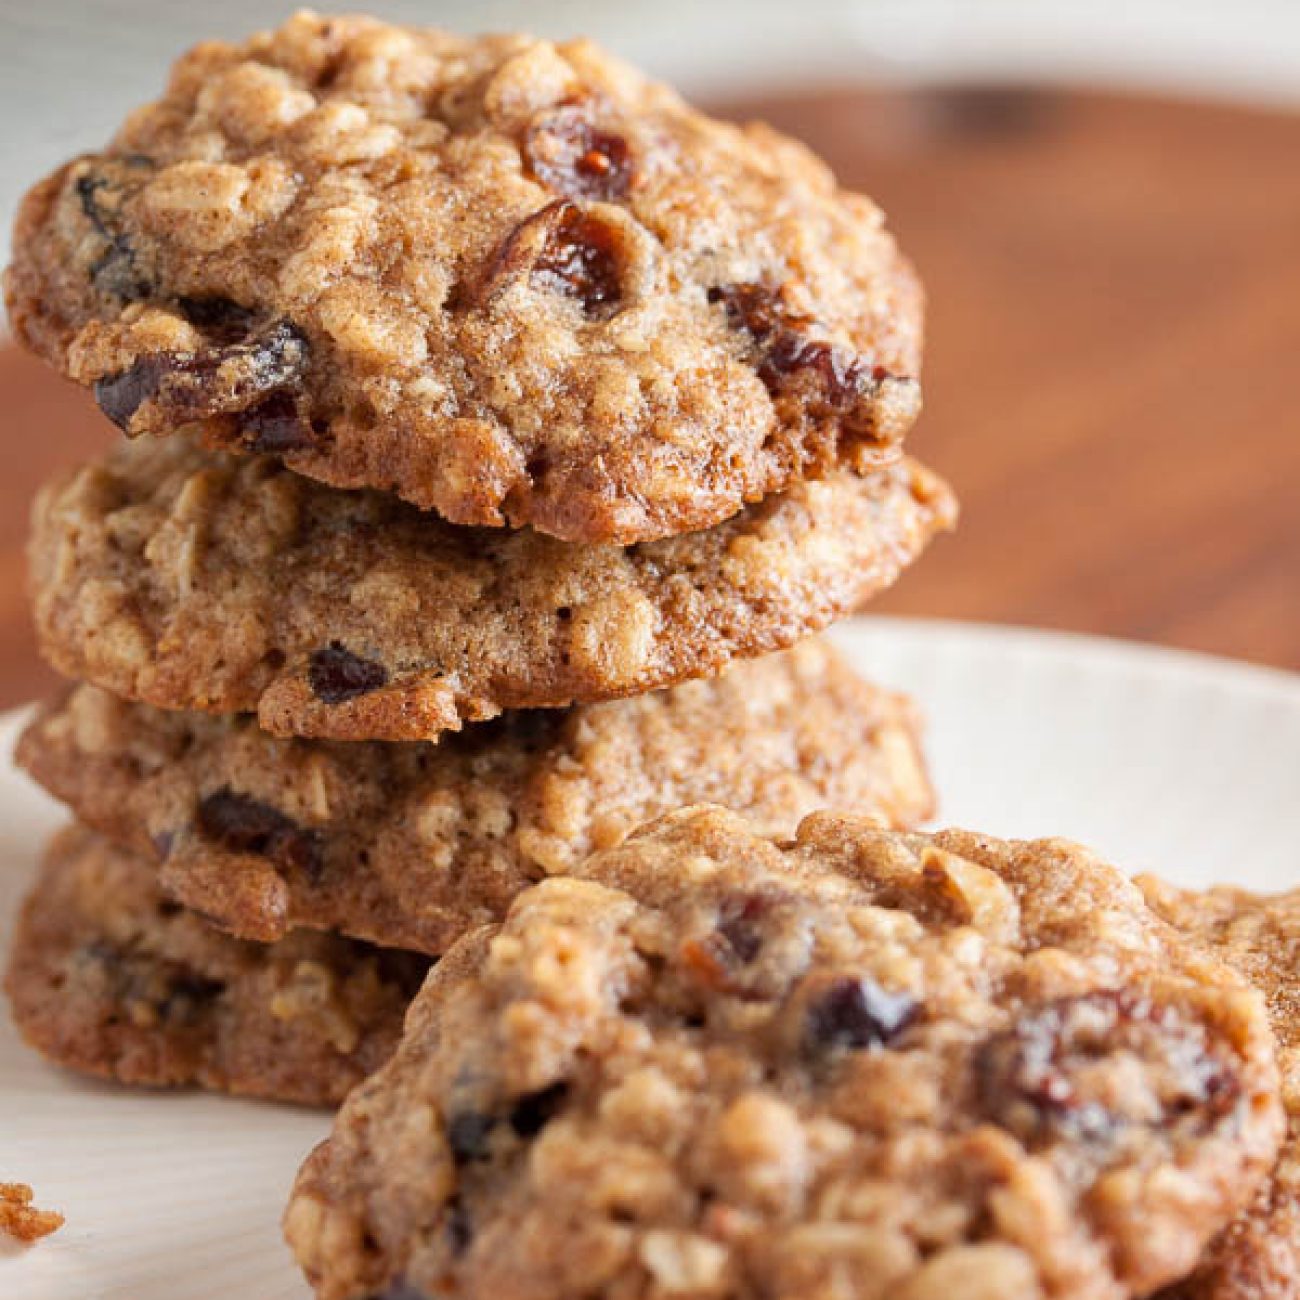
x,y
221,380
1034,1078
855,1013
469,1132
580,260
275,426
221,320
532,1112
738,925
337,675
187,994
566,250
121,395
163,988
719,958
832,381
567,150
241,824
115,272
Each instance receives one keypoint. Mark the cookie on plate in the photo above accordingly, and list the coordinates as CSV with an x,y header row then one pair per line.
x,y
109,978
411,845
513,281
862,1063
1258,1257
196,580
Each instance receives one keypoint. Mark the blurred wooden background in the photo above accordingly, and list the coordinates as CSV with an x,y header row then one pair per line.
x,y
1114,346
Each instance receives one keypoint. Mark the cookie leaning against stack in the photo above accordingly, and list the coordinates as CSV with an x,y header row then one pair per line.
x,y
490,411
862,1063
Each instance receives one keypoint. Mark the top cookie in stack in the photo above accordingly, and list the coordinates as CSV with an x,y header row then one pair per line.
x,y
621,389
512,282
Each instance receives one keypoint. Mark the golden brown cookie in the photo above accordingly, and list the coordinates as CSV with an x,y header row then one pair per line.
x,y
862,1063
108,977
1258,1257
411,845
515,282
196,580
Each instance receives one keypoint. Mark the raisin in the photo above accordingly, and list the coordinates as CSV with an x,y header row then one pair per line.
x,y
832,381
718,958
275,426
335,674
569,153
172,991
116,271
468,1132
88,189
534,1111
242,824
220,380
565,250
188,994
121,395
737,924
1035,1078
221,319
857,1013
579,259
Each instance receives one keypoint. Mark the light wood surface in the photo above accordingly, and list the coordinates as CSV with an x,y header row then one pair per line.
x,y
1112,370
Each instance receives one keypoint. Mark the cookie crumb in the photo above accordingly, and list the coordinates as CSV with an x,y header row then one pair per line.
x,y
20,1219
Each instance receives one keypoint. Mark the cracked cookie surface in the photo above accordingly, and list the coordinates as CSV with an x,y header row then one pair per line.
x,y
193,579
411,845
513,281
1258,1257
861,1063
108,977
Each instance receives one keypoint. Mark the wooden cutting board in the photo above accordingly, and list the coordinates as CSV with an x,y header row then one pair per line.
x,y
1113,370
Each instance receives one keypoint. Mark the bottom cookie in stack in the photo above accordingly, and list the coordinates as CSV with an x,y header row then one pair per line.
x,y
119,967
108,977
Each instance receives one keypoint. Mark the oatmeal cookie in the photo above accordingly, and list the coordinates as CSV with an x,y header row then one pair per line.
x,y
192,579
411,845
513,281
1258,1257
109,978
863,1063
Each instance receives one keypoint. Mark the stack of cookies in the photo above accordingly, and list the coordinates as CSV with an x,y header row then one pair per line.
x,y
499,432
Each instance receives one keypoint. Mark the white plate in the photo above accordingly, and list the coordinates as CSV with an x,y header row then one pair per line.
x,y
1164,761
